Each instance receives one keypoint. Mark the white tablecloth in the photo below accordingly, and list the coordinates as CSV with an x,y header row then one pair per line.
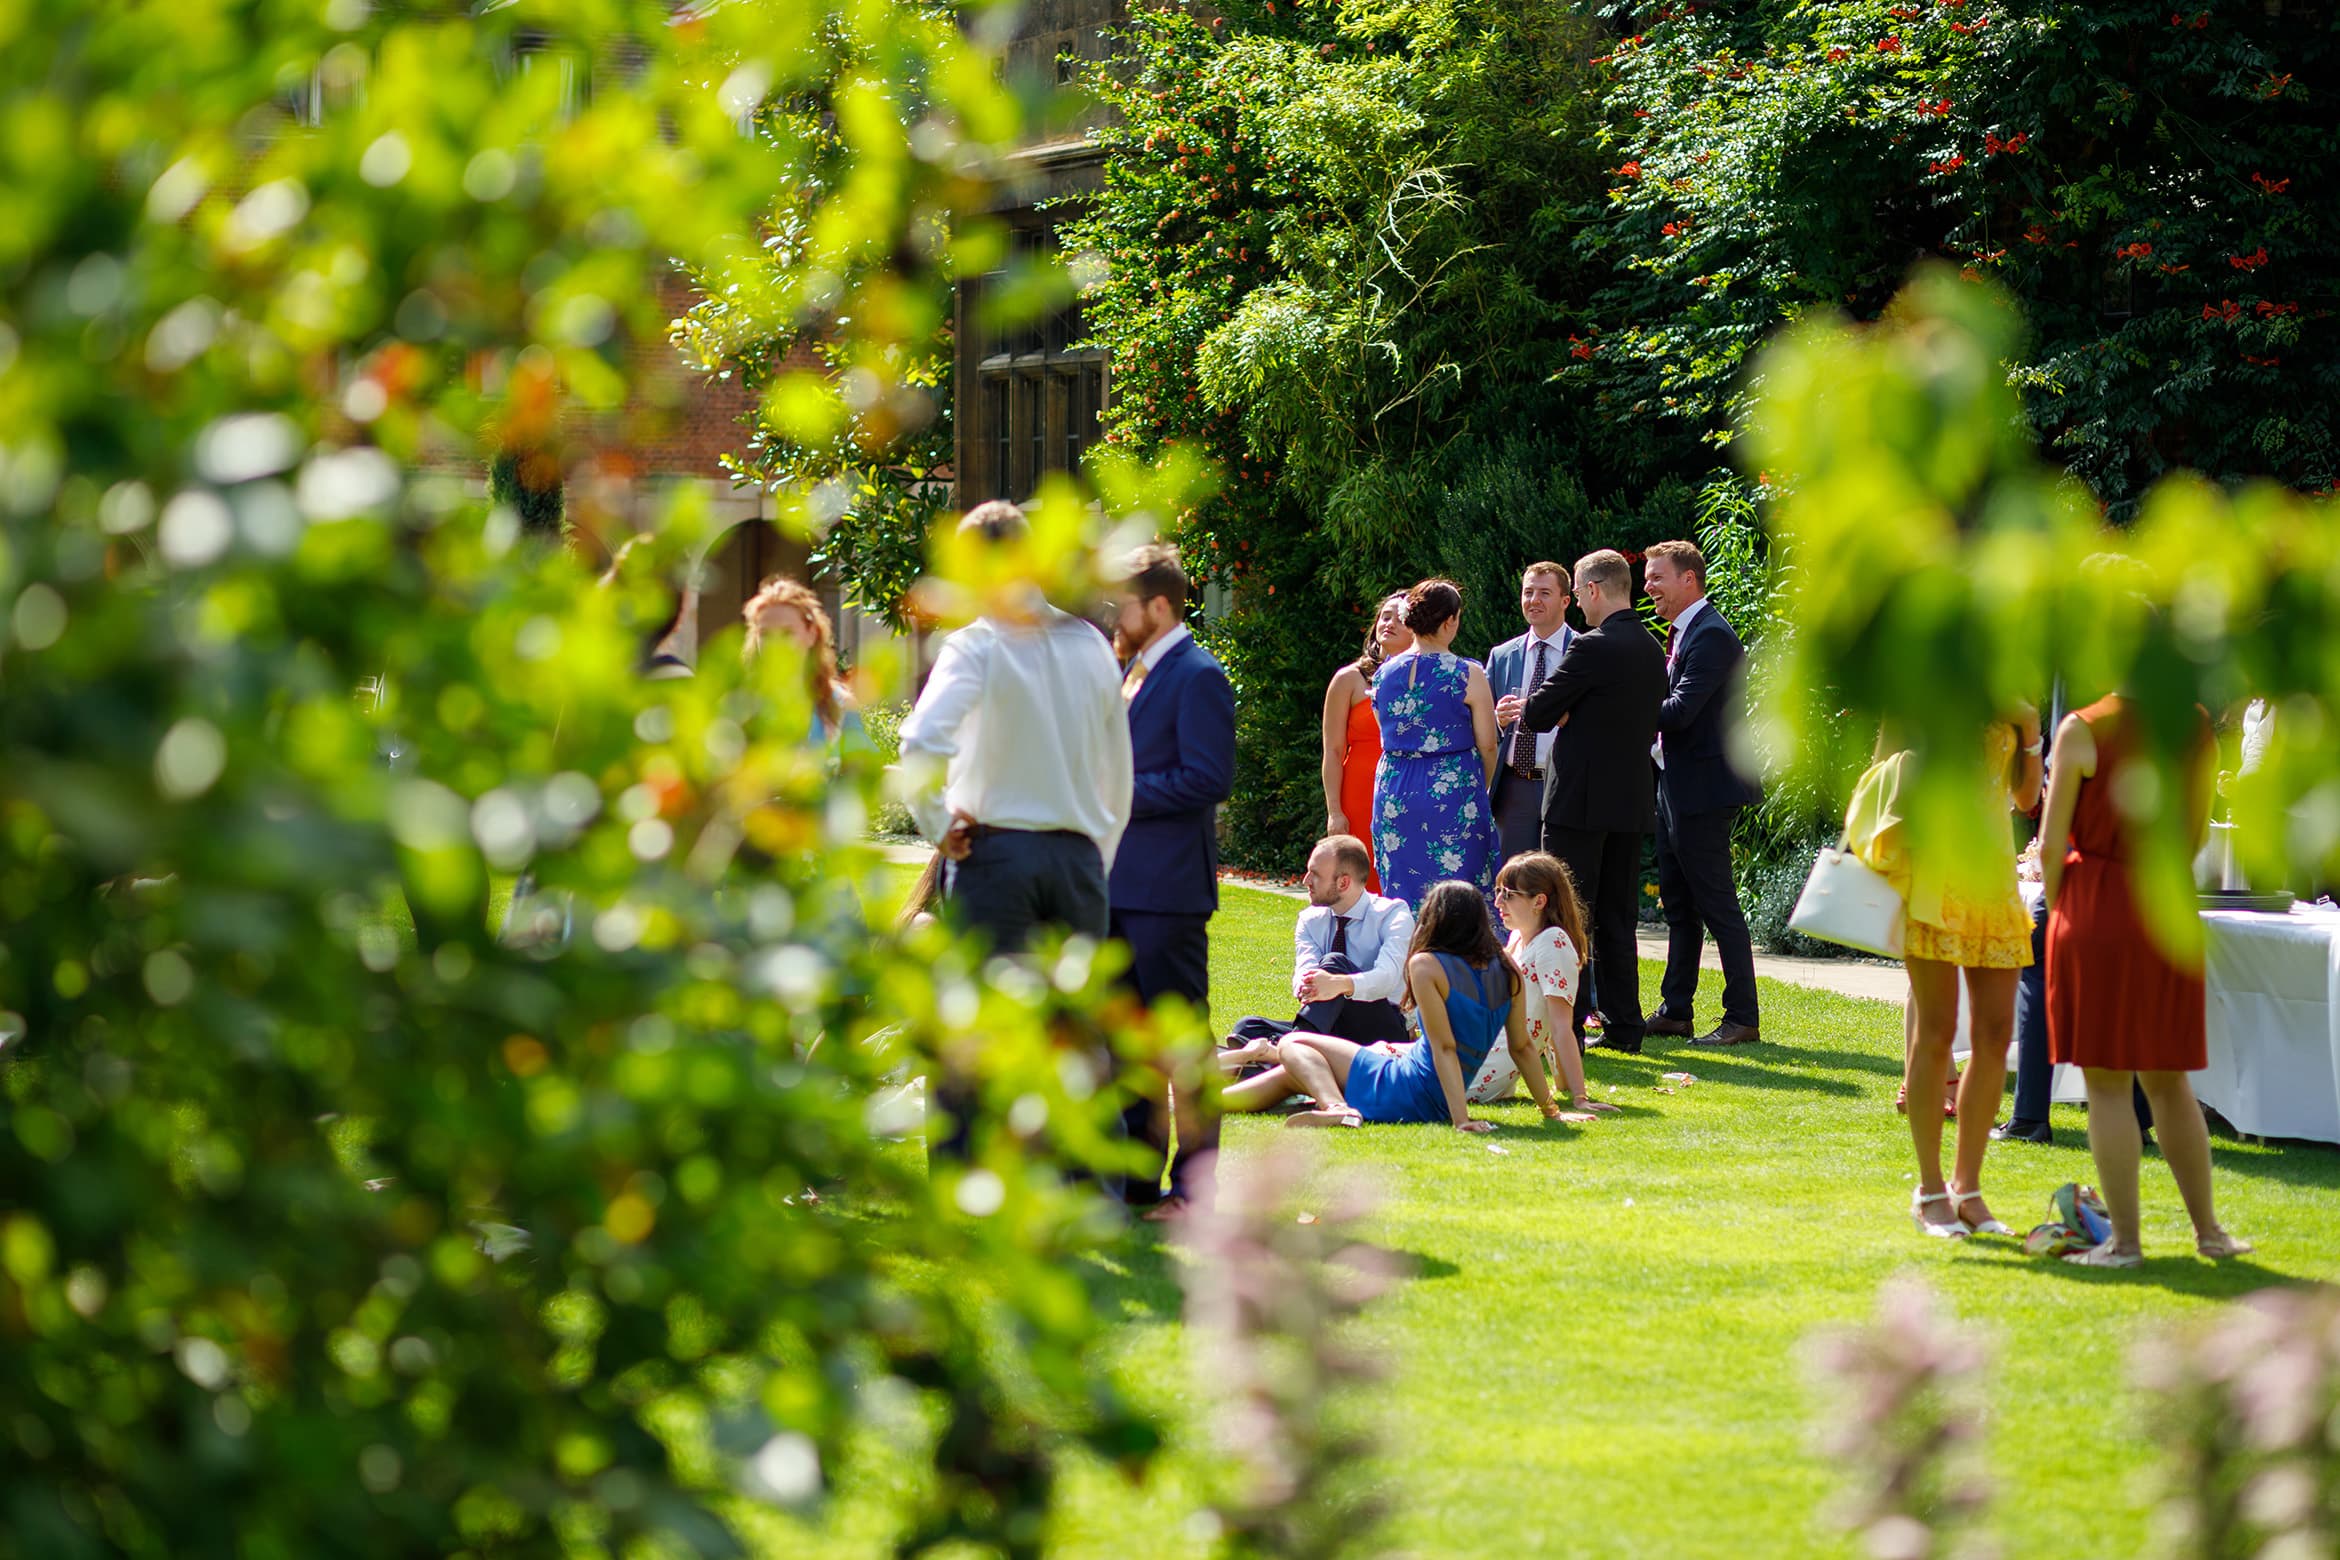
x,y
2274,1040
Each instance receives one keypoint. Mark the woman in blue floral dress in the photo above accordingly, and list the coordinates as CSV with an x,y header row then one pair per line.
x,y
1431,818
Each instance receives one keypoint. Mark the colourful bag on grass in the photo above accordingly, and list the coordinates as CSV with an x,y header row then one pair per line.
x,y
2077,1221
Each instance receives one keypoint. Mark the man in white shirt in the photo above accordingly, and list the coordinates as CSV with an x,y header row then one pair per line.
x,y
1348,958
1017,763
1515,669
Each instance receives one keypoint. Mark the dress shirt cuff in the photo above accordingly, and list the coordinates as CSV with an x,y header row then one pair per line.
x,y
1378,984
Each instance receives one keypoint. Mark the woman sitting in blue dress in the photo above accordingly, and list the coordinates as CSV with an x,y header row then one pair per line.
x,y
1432,821
1464,992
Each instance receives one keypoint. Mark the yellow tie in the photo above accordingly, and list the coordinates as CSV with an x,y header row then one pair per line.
x,y
1136,678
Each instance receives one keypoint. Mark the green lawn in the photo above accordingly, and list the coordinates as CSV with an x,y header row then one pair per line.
x,y
1599,1353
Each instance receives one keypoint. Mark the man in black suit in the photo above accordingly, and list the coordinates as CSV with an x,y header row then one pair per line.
x,y
1700,793
1599,804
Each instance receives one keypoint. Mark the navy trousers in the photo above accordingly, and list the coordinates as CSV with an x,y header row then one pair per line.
x,y
1367,1023
1700,896
1170,955
1012,884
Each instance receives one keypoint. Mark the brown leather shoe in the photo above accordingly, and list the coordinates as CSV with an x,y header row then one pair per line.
x,y
1659,1024
1728,1033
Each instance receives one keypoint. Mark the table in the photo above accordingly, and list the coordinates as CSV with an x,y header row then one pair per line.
x,y
2274,1022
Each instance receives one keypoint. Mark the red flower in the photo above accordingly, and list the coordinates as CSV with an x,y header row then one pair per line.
x,y
1891,45
2249,262
2275,84
2262,362
2268,309
1581,349
2271,186
1928,110
2167,269
1631,170
1949,164
2133,252
2225,309
1838,54
2035,234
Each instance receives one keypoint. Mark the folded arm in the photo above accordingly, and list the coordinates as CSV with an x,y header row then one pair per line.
x,y
1570,681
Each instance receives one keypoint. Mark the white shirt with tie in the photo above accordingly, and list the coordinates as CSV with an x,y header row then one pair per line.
x,y
1022,726
1555,643
1380,930
1689,615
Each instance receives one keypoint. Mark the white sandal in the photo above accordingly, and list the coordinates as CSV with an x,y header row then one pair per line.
x,y
1959,1199
2104,1256
1918,1198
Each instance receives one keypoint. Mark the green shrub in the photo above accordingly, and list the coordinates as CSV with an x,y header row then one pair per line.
x,y
884,722
318,1240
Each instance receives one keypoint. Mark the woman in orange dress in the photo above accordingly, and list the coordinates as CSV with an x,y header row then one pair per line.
x,y
1352,734
2119,1006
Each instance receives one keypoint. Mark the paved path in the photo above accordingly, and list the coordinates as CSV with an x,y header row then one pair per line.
x,y
1846,977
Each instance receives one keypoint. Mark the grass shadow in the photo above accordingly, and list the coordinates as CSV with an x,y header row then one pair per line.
x,y
2178,1274
1412,1266
1708,1065
1135,1279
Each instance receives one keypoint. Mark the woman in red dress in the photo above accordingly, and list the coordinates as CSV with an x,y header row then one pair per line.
x,y
2119,1006
1352,733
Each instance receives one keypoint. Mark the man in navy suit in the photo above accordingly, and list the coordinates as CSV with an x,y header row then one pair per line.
x,y
1165,881
1516,668
1700,793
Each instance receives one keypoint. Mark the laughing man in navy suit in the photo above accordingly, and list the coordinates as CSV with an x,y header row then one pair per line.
x,y
1165,881
1700,792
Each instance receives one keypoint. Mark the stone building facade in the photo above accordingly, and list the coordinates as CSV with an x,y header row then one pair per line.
x,y
1028,398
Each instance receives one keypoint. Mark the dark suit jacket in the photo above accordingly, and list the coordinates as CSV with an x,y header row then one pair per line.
x,y
1694,724
1182,748
1508,665
1609,685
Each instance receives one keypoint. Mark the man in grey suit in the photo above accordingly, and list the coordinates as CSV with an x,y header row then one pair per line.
x,y
1516,668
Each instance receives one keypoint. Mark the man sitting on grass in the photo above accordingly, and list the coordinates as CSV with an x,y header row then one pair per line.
x,y
1348,960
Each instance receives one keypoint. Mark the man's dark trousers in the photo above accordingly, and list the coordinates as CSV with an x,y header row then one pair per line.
x,y
1012,884
1367,1023
1170,955
1698,891
1607,869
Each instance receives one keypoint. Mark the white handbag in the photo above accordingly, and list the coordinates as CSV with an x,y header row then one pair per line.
x,y
1848,902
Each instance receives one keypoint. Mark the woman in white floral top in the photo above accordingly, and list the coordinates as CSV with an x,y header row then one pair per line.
x,y
1539,904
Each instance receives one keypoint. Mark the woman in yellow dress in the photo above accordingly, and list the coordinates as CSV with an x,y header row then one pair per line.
x,y
1962,915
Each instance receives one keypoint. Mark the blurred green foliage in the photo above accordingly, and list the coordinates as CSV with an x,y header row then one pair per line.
x,y
1939,574
318,1240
